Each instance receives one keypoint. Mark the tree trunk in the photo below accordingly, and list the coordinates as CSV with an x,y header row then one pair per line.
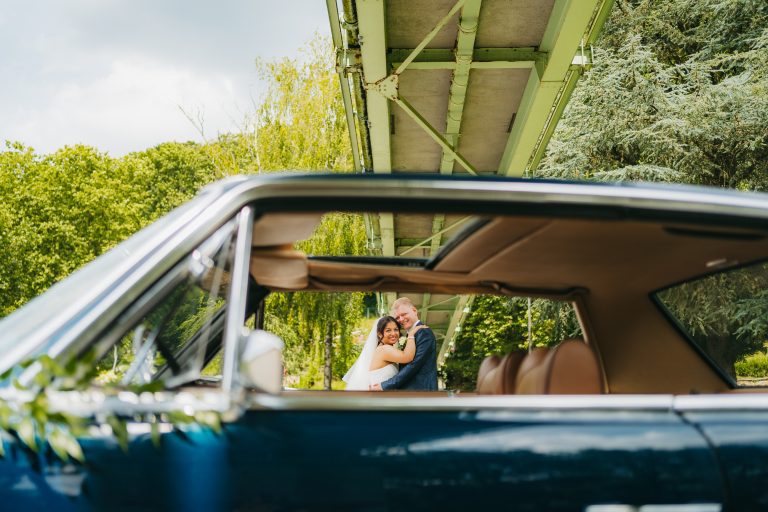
x,y
328,357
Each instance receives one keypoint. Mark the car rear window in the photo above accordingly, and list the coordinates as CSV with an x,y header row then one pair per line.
x,y
726,316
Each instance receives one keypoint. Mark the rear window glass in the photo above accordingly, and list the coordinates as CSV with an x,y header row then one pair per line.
x,y
726,316
319,350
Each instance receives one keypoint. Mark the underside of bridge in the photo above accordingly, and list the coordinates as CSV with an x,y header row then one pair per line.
x,y
454,87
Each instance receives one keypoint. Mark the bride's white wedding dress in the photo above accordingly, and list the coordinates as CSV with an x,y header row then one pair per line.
x,y
360,376
382,374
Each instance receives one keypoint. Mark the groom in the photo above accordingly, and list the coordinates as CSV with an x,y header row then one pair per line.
x,y
421,373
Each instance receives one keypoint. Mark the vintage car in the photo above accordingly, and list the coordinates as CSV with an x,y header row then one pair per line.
x,y
643,412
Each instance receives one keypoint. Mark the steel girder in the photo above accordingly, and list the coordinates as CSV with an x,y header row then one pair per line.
x,y
547,66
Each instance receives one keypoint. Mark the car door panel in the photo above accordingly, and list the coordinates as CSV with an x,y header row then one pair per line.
x,y
401,460
740,439
376,460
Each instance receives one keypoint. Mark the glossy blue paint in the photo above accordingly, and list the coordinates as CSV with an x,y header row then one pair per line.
x,y
358,460
741,441
36,481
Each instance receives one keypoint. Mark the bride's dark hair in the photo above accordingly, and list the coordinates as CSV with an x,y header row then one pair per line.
x,y
383,323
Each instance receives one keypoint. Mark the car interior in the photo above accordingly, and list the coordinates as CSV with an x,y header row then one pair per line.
x,y
627,280
608,268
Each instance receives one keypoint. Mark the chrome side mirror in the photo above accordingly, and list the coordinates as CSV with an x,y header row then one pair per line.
x,y
261,365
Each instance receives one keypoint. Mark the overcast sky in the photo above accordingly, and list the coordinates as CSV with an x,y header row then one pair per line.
x,y
115,74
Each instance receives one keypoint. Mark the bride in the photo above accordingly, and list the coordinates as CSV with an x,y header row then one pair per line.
x,y
378,359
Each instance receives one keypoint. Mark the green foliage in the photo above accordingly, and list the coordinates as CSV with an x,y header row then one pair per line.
x,y
753,366
678,93
726,314
498,325
300,123
59,211
305,319
31,418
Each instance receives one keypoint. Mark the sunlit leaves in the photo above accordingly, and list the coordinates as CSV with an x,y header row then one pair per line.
x,y
300,123
678,93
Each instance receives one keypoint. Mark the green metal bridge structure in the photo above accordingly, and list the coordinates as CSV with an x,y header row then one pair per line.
x,y
454,87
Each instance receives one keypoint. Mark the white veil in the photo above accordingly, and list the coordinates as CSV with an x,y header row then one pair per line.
x,y
358,376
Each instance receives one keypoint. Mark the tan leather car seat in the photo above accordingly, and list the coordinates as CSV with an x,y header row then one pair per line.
x,y
497,376
569,368
483,382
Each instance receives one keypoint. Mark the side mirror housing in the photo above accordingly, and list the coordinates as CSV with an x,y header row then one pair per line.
x,y
261,365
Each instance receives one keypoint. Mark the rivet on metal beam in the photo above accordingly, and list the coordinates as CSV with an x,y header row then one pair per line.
x,y
387,87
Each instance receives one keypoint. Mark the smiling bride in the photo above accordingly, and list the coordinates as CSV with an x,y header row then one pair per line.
x,y
379,359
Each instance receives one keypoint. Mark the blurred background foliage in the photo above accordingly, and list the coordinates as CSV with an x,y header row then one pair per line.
x,y
678,93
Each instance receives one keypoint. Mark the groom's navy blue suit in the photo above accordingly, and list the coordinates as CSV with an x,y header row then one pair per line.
x,y
421,373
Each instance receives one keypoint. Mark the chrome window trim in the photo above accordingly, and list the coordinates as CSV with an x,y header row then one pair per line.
x,y
238,293
127,403
677,198
455,403
757,401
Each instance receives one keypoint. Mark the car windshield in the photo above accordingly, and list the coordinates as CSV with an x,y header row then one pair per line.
x,y
176,328
726,316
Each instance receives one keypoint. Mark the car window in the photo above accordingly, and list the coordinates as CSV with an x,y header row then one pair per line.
x,y
325,333
176,327
726,316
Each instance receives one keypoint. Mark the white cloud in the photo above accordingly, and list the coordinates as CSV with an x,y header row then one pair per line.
x,y
113,74
137,104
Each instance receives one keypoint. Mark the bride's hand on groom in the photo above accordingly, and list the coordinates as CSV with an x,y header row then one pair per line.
x,y
416,329
375,387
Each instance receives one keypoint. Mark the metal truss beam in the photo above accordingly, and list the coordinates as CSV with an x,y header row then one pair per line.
x,y
346,95
482,58
431,35
465,44
370,19
447,146
387,86
458,314
571,23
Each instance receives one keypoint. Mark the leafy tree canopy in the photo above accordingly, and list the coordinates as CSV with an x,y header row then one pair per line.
x,y
678,93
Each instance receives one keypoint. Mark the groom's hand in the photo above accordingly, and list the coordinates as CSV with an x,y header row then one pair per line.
x,y
375,387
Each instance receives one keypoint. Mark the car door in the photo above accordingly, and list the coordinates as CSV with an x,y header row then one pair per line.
x,y
737,428
307,452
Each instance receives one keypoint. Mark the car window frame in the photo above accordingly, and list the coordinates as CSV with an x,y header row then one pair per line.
x,y
683,332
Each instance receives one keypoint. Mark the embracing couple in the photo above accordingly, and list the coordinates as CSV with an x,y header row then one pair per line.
x,y
377,367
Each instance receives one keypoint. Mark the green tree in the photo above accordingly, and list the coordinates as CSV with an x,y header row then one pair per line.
x,y
678,93
59,211
498,325
300,122
726,314
320,325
